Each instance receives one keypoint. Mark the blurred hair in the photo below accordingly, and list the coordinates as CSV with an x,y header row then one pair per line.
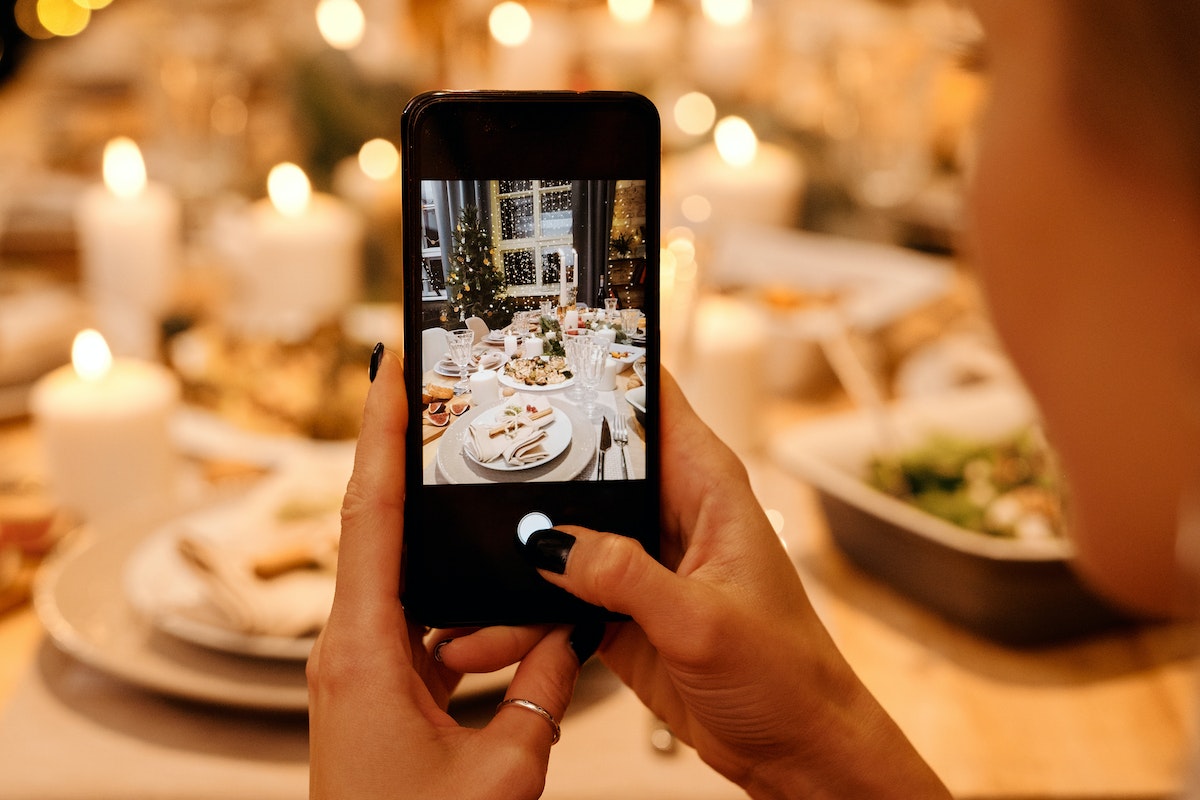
x,y
1134,80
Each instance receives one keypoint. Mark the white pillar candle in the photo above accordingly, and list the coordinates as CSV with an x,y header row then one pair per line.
x,y
103,427
533,347
723,372
570,320
623,49
302,263
531,48
739,178
130,245
485,386
510,345
607,334
609,380
726,56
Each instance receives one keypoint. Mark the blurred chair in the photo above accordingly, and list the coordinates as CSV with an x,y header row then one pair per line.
x,y
434,346
479,326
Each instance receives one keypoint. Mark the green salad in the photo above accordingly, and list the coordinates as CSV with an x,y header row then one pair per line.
x,y
1010,487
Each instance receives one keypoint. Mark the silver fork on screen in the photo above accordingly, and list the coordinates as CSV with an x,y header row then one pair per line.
x,y
620,435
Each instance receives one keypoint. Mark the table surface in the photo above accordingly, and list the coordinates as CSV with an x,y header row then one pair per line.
x,y
1107,717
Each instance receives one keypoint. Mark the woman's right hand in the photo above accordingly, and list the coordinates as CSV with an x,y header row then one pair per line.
x,y
724,645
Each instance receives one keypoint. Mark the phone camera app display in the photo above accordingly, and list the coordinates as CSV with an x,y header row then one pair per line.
x,y
533,331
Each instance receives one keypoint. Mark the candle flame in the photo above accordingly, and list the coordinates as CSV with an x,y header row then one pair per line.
x,y
727,13
124,169
510,24
90,355
736,141
289,189
631,12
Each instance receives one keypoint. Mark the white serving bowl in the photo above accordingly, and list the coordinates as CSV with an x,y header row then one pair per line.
x,y
1020,592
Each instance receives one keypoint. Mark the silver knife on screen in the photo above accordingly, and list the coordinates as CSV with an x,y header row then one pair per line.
x,y
605,443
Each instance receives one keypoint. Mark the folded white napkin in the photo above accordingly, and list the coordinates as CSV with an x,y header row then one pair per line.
x,y
259,594
491,360
515,434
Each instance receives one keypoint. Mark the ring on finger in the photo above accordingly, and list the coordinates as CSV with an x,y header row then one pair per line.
x,y
529,705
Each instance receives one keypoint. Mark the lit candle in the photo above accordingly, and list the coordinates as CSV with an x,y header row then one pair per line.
x,y
302,266
631,42
736,179
726,46
103,427
723,378
528,51
130,241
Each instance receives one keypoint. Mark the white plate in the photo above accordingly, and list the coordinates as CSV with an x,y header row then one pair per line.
x,y
513,383
558,438
161,585
79,598
632,353
875,283
454,468
204,434
451,370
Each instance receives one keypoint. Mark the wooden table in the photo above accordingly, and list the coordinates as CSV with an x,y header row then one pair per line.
x,y
1109,717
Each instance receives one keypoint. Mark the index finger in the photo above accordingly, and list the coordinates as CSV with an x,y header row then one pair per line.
x,y
368,573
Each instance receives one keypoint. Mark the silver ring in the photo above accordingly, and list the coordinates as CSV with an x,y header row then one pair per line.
x,y
535,708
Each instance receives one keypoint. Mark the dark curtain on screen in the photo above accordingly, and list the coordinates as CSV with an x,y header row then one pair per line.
x,y
450,198
592,217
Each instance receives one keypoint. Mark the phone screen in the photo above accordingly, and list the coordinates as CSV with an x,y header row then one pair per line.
x,y
531,298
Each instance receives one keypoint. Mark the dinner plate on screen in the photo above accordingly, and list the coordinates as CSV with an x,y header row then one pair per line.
x,y
558,438
451,370
626,354
451,465
520,385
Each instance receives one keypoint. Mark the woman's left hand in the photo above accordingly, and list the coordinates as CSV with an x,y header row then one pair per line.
x,y
377,695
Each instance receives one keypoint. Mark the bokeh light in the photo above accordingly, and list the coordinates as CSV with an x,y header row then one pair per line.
x,y
631,12
379,159
341,23
510,24
695,113
736,141
727,12
289,189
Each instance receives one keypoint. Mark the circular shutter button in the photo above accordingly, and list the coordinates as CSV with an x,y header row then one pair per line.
x,y
531,523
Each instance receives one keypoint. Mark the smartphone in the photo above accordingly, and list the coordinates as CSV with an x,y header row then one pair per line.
x,y
523,213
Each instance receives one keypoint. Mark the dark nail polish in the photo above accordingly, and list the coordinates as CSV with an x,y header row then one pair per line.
x,y
376,358
548,550
585,639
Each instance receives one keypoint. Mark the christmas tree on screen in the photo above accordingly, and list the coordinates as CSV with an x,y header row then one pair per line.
x,y
476,285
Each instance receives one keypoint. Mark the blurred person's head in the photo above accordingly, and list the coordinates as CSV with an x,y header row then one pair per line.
x,y
1085,226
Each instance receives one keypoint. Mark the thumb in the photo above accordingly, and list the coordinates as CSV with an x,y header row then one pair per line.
x,y
611,571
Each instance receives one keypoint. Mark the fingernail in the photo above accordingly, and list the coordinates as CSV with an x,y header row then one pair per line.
x,y
548,550
585,639
437,649
376,358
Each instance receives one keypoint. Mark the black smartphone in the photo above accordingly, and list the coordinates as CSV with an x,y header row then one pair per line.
x,y
531,249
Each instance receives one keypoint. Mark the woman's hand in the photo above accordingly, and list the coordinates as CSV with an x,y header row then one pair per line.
x,y
377,695
724,645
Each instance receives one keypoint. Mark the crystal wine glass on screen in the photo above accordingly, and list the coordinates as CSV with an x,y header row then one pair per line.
x,y
461,342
